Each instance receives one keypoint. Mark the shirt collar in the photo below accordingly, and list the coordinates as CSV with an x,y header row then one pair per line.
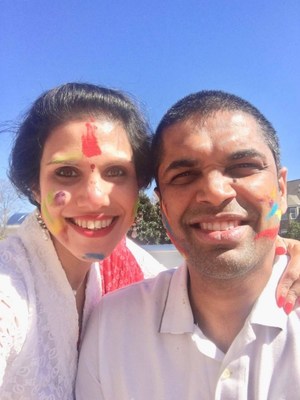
x,y
177,316
265,311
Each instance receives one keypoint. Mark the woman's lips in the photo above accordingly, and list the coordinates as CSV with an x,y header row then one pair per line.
x,y
92,227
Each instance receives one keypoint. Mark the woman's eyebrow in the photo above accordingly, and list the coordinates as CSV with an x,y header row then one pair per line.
x,y
69,159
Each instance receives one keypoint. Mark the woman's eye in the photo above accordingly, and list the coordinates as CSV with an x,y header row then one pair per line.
x,y
115,172
66,172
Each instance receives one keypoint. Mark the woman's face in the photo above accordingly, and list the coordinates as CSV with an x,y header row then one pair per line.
x,y
88,187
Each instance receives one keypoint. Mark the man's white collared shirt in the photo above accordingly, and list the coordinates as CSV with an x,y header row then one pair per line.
x,y
142,344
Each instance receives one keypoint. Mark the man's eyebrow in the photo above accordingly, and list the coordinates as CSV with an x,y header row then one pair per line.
x,y
191,162
237,155
183,163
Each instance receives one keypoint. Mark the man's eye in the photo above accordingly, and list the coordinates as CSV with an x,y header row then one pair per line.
x,y
244,169
66,172
183,178
115,172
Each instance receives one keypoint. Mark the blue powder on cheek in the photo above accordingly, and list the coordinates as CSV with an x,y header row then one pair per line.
x,y
273,211
93,256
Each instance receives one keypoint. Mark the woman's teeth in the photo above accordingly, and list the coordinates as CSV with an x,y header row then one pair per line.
x,y
93,224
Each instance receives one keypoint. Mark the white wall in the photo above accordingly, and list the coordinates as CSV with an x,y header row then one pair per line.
x,y
166,254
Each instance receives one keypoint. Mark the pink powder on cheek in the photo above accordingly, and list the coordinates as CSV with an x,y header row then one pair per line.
x,y
89,141
60,198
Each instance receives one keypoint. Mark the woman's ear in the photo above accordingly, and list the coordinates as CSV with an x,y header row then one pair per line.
x,y
36,196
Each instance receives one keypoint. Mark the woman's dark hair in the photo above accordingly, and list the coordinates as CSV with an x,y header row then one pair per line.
x,y
74,101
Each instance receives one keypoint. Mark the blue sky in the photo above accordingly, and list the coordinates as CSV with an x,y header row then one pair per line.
x,y
159,51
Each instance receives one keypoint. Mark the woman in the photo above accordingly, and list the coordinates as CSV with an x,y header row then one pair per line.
x,y
80,155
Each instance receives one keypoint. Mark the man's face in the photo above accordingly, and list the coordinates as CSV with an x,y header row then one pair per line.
x,y
221,194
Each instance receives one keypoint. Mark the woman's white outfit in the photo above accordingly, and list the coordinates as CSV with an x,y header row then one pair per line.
x,y
38,317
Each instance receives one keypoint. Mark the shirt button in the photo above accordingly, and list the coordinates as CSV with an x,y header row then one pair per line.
x,y
226,374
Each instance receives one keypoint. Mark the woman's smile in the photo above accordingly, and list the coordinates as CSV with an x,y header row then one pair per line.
x,y
92,195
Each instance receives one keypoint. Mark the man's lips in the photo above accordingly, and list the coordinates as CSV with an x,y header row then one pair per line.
x,y
218,223
219,226
231,228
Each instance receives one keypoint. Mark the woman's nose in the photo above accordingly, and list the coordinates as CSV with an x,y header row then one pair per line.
x,y
94,194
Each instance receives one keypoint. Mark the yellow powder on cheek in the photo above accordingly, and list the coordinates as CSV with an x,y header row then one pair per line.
x,y
56,225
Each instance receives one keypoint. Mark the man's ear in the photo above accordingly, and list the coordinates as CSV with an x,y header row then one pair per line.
x,y
282,183
157,192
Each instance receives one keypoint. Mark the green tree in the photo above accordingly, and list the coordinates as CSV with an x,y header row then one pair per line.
x,y
148,227
293,230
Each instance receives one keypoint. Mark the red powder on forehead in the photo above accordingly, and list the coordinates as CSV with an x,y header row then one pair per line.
x,y
90,146
268,233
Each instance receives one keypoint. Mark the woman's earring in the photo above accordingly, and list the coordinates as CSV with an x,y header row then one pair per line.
x,y
42,225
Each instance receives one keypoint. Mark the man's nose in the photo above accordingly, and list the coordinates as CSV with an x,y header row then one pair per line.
x,y
215,188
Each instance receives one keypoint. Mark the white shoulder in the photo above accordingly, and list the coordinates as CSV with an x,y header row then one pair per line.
x,y
149,265
13,306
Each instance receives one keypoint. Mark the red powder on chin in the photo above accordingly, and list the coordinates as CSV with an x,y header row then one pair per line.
x,y
90,146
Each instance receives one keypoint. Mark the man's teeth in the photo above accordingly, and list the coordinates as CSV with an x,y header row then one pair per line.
x,y
218,226
93,224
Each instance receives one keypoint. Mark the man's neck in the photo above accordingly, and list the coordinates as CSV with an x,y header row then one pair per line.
x,y
220,307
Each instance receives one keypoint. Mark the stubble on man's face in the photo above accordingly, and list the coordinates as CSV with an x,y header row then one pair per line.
x,y
221,172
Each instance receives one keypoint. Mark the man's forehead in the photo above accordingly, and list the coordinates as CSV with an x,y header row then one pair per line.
x,y
237,117
231,135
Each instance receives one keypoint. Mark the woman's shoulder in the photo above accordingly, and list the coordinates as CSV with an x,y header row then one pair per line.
x,y
13,267
16,277
11,249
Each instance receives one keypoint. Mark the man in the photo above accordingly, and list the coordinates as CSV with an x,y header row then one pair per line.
x,y
211,328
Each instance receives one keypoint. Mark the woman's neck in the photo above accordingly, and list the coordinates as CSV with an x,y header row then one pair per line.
x,y
76,272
